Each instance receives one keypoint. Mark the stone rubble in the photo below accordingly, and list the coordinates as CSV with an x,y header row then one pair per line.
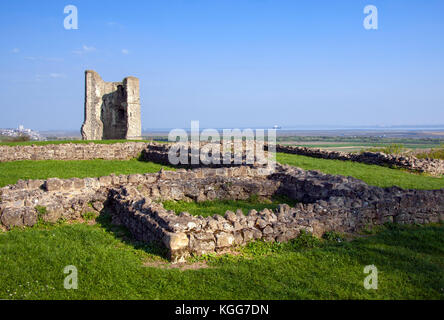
x,y
158,153
325,203
409,162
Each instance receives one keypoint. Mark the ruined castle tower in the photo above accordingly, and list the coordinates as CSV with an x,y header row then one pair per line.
x,y
112,109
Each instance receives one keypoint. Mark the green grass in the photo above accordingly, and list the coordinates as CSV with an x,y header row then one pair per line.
x,y
393,148
435,153
209,208
12,171
372,174
410,262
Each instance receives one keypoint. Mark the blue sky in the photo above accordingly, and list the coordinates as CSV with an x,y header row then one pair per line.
x,y
227,63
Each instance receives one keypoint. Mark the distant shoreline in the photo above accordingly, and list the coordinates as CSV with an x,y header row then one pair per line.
x,y
432,133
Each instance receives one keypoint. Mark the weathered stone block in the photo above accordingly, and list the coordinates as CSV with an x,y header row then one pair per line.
x,y
230,216
78,183
12,217
175,241
203,247
224,240
35,184
29,217
135,178
105,181
53,213
54,184
67,184
98,206
150,177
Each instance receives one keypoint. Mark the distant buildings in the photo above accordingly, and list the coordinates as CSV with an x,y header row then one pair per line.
x,y
21,131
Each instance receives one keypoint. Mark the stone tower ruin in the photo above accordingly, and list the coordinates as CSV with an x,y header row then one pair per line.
x,y
112,109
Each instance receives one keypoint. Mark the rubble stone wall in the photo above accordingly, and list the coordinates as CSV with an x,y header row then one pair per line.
x,y
72,151
326,203
432,166
158,152
70,198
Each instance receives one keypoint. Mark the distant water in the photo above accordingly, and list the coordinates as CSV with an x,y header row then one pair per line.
x,y
324,128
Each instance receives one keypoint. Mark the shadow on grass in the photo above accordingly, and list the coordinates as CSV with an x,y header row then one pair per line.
x,y
413,251
121,233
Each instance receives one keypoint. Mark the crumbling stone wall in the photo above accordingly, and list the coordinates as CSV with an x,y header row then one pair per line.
x,y
73,151
326,203
70,198
158,152
409,162
251,154
112,109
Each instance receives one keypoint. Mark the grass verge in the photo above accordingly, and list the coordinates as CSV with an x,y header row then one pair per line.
x,y
12,171
410,262
372,174
375,175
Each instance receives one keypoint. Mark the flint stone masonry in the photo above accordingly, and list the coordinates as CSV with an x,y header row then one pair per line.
x,y
326,203
73,151
112,109
432,166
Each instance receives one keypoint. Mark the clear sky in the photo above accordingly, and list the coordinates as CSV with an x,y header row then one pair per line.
x,y
227,63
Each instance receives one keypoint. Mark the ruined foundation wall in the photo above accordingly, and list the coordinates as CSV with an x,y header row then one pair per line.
x,y
158,152
73,151
326,203
69,198
432,166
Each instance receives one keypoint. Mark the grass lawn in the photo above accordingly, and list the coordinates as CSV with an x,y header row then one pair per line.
x,y
371,174
410,262
12,171
380,176
209,208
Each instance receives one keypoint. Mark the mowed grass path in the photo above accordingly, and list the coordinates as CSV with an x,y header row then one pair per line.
x,y
410,262
12,171
371,174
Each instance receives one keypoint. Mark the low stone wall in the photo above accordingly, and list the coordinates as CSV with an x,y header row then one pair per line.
x,y
70,198
73,151
326,203
432,166
158,153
